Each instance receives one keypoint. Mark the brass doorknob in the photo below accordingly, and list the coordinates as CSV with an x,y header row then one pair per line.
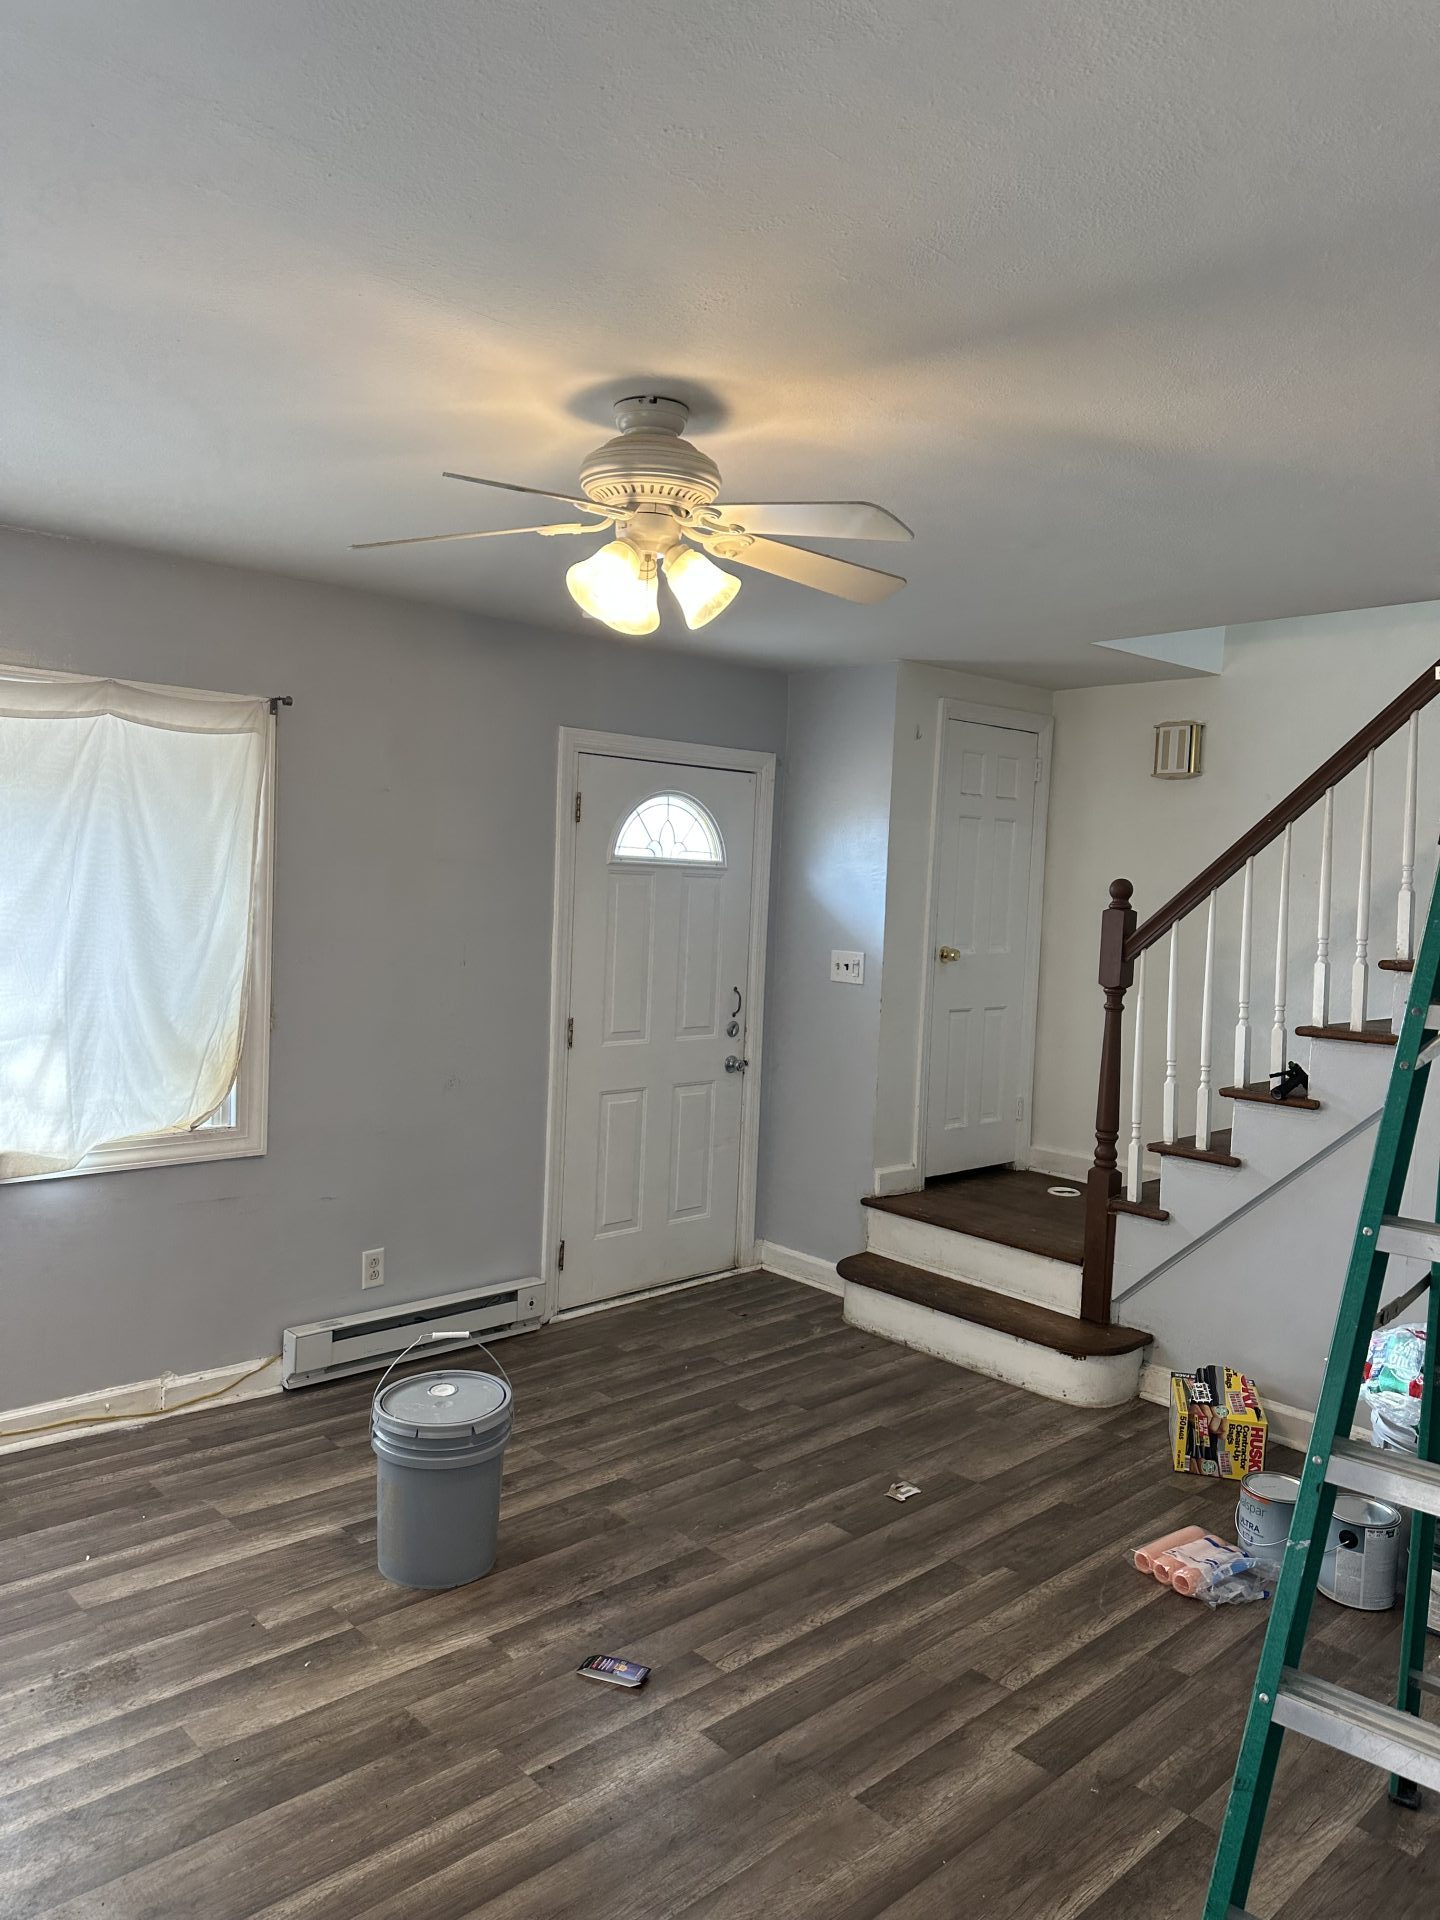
x,y
949,953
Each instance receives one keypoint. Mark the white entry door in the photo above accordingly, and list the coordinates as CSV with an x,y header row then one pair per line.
x,y
979,961
659,999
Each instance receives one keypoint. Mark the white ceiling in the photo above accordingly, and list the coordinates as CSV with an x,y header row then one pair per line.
x,y
1128,307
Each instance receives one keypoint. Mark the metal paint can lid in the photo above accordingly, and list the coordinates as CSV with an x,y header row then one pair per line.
x,y
1354,1510
1272,1486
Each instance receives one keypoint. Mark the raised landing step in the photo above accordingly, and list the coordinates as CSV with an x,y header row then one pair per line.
x,y
1031,1346
1001,1229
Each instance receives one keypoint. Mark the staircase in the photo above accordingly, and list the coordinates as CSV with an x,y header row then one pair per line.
x,y
1017,1275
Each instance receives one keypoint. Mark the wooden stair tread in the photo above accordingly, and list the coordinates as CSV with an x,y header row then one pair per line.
x,y
1217,1154
1259,1091
1147,1207
1041,1326
1396,966
1374,1033
1003,1204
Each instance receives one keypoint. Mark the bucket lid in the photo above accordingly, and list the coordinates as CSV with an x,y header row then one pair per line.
x,y
1354,1510
444,1404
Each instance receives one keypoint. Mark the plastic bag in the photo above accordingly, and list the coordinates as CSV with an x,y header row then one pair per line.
x,y
1256,1584
1394,1381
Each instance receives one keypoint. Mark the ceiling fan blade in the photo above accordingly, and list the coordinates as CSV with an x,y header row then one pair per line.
x,y
491,533
543,493
816,519
823,571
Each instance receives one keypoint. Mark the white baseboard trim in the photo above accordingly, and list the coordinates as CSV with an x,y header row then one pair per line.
x,y
1289,1426
141,1400
790,1264
649,1293
1073,1167
904,1178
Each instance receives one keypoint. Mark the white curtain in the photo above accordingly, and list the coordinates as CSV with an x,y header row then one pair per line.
x,y
129,825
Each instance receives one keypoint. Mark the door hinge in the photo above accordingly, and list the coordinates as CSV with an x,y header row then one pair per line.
x,y
560,1259
577,809
570,1031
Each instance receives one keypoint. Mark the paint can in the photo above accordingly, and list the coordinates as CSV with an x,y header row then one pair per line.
x,y
1262,1516
1362,1554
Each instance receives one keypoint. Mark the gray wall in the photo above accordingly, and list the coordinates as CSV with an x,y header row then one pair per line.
x,y
818,1111
412,930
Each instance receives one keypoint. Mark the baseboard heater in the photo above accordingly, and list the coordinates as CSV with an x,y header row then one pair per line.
x,y
358,1342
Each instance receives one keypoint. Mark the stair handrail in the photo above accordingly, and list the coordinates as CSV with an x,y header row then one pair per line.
x,y
1268,828
1124,938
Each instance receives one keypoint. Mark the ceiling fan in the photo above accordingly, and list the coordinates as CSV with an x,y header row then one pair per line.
x,y
657,493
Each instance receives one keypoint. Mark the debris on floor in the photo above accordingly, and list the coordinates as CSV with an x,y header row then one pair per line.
x,y
613,1670
1218,1424
901,1490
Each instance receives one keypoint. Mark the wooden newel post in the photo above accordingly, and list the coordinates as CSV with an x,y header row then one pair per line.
x,y
1117,923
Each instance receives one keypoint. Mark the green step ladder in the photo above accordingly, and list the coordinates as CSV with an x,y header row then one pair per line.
x,y
1395,1739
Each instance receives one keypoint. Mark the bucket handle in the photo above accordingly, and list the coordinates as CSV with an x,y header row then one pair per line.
x,y
440,1333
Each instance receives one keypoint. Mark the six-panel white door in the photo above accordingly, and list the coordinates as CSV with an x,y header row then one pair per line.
x,y
978,963
659,977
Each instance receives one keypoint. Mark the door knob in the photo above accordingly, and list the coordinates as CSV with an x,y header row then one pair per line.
x,y
949,953
734,1064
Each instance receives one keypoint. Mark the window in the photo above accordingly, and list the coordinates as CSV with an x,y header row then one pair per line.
x,y
135,863
671,826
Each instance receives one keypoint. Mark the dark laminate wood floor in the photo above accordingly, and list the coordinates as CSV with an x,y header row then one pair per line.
x,y
211,1705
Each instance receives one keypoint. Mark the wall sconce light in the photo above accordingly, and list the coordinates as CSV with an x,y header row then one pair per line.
x,y
1177,749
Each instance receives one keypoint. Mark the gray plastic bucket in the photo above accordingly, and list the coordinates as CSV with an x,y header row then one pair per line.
x,y
439,1444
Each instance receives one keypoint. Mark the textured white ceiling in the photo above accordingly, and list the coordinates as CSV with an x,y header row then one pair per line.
x,y
1128,307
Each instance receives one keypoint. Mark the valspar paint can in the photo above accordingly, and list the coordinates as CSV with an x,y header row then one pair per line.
x,y
1362,1554
1262,1517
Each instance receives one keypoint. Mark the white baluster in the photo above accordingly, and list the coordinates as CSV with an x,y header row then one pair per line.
x,y
1135,1159
1405,910
1282,959
1360,973
1320,1000
1242,1008
1202,1092
1170,1117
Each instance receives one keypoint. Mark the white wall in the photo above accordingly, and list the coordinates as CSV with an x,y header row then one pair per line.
x,y
1292,692
920,689
412,925
821,1037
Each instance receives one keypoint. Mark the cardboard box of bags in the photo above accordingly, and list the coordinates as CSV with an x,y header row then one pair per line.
x,y
1217,1424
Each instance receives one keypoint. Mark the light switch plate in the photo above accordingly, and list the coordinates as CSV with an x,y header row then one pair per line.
x,y
849,968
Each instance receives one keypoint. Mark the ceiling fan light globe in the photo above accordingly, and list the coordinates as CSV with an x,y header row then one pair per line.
x,y
702,588
617,587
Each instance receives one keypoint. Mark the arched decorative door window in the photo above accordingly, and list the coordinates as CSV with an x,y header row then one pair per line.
x,y
671,826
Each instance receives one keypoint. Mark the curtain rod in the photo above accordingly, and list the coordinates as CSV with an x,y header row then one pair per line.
x,y
278,700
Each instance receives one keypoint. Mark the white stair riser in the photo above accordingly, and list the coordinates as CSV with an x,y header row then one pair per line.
x,y
986,1263
1111,1380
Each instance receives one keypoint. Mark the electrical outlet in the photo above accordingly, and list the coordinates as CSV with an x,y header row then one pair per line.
x,y
372,1267
848,968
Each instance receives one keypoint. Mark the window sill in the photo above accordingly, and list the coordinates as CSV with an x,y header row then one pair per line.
x,y
184,1150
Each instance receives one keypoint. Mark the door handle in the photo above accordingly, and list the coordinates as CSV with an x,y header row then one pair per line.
x,y
949,953
734,1064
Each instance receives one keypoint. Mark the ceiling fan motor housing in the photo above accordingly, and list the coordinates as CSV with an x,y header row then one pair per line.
x,y
647,464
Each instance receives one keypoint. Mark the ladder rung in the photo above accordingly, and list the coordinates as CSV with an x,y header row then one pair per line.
x,y
1429,1681
1393,1741
1397,1477
1420,1239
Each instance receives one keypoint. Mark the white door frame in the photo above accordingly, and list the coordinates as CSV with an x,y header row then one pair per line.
x,y
624,746
1018,720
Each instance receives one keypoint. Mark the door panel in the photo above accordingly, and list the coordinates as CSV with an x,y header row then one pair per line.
x,y
651,1177
987,805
